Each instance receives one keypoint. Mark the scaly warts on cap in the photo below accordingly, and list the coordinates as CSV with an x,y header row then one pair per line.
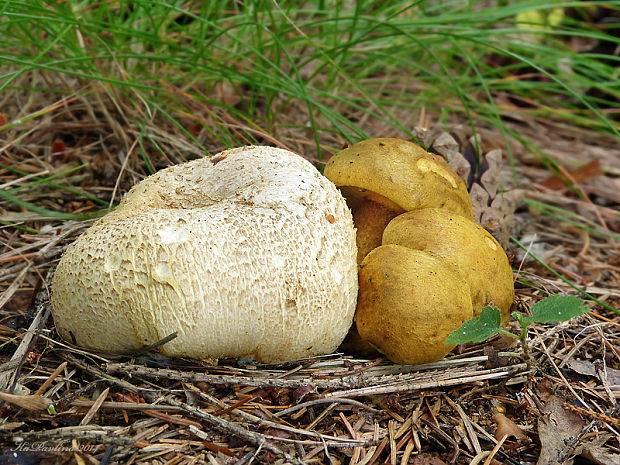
x,y
250,253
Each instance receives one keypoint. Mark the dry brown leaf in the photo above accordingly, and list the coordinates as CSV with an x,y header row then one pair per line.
x,y
578,175
584,367
507,427
596,452
556,428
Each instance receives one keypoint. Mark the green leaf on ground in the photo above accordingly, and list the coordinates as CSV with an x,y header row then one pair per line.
x,y
477,329
556,308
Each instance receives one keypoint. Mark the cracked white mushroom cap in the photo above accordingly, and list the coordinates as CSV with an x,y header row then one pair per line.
x,y
249,253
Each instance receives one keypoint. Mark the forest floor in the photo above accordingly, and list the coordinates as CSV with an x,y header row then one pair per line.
x,y
480,405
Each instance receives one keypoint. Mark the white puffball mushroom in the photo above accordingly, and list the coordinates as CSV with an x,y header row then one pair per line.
x,y
249,253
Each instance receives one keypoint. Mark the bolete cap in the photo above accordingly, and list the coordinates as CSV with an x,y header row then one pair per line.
x,y
400,171
479,257
409,302
382,178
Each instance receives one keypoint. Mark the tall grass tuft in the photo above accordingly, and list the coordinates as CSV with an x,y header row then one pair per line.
x,y
306,75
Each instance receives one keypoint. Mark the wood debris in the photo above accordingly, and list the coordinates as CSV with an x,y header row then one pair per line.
x,y
82,407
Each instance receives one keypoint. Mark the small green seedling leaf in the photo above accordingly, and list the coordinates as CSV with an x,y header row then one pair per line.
x,y
477,329
556,308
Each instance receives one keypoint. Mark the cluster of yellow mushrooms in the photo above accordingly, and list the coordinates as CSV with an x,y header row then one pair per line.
x,y
253,253
425,267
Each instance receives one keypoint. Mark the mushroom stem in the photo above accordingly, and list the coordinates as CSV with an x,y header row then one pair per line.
x,y
370,219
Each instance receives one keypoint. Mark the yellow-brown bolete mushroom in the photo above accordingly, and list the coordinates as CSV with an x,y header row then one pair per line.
x,y
479,257
382,178
425,266
409,302
249,253
434,270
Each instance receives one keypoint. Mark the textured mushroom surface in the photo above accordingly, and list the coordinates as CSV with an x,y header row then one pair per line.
x,y
479,257
382,178
405,197
401,171
409,302
249,253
